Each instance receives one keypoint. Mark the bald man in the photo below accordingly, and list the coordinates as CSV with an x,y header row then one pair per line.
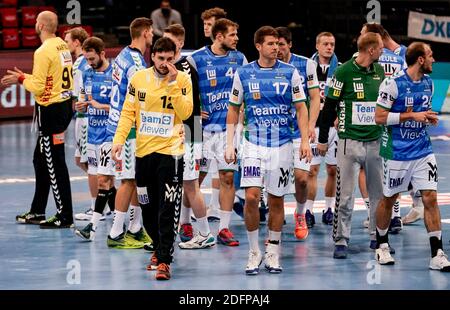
x,y
51,84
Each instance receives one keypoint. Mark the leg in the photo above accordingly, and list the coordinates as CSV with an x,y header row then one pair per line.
x,y
42,185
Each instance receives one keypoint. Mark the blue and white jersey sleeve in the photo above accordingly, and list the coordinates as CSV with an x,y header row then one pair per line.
x,y
237,91
298,95
388,93
311,74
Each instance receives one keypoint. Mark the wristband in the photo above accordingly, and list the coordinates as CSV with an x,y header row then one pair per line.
x,y
21,78
393,118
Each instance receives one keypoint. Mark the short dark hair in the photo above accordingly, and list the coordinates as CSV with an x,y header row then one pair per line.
x,y
214,12
221,26
94,44
139,25
263,32
77,33
414,51
176,30
377,28
164,44
284,32
367,40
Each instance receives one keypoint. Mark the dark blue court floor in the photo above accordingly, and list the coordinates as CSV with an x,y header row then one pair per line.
x,y
31,258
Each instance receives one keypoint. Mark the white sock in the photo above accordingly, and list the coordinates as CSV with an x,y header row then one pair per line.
x,y
253,239
382,232
309,206
95,219
135,219
300,208
417,202
117,227
225,217
93,203
214,202
367,203
396,210
437,233
185,215
274,235
329,203
202,226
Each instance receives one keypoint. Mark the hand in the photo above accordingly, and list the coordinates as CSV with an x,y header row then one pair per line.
x,y
205,115
336,122
305,151
312,133
424,116
80,106
173,72
95,104
432,117
116,152
322,148
12,77
182,134
230,155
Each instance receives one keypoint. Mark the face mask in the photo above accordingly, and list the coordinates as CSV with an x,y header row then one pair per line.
x,y
165,12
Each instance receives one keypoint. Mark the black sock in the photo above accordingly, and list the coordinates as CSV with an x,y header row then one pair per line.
x,y
382,239
276,242
436,244
112,198
101,200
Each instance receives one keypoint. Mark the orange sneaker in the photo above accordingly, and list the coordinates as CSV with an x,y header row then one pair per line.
x,y
301,229
226,237
163,272
153,263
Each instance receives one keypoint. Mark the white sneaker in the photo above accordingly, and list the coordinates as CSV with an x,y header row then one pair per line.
x,y
198,242
414,214
440,262
254,260
87,215
366,223
383,255
272,258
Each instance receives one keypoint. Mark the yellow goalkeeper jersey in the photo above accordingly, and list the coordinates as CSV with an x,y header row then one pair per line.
x,y
51,80
158,108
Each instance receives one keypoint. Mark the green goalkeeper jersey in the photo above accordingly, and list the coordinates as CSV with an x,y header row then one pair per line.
x,y
356,88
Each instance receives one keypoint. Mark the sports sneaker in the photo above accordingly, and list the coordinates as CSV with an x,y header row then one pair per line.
x,y
87,215
301,229
340,251
396,225
140,235
153,265
162,272
226,237
198,242
310,219
440,262
254,260
124,241
327,217
414,214
87,233
373,246
383,256
149,247
213,214
271,258
30,218
186,232
54,223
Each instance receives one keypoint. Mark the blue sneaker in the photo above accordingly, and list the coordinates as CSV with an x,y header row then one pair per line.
x,y
327,217
310,219
396,225
373,246
340,251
